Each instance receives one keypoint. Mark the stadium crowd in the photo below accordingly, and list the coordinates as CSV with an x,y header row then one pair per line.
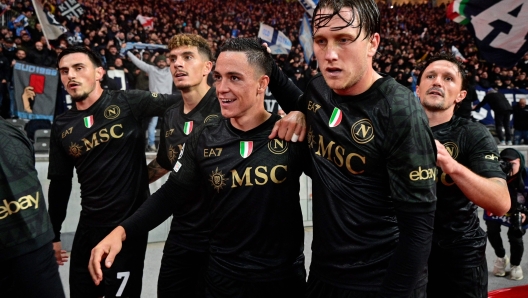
x,y
410,34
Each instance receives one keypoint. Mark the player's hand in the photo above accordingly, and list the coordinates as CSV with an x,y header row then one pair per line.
x,y
60,254
444,159
265,44
107,249
291,127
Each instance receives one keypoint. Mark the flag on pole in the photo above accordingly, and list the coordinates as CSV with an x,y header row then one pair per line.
x,y
499,27
71,8
146,22
309,6
51,28
305,37
277,41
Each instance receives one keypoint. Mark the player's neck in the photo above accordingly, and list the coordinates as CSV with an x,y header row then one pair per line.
x,y
362,85
90,100
250,120
192,96
438,117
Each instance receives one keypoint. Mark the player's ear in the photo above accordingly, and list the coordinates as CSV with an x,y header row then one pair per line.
x,y
99,73
263,83
461,95
373,44
208,67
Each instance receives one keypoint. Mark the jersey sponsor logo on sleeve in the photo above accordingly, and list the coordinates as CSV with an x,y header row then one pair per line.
x,y
169,132
491,156
423,174
67,132
362,131
112,112
15,206
312,106
246,147
452,149
188,127
217,180
278,146
336,118
212,152
88,121
209,118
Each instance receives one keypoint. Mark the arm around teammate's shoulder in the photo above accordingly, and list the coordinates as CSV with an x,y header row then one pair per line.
x,y
489,193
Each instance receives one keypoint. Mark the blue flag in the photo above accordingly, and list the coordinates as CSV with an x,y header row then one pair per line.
x,y
499,27
305,37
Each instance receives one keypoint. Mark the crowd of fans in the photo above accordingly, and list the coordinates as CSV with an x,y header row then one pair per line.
x,y
410,33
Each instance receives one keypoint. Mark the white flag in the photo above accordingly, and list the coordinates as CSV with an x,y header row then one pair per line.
x,y
146,22
277,41
51,28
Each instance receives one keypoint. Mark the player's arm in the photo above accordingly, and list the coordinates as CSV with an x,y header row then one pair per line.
x,y
489,193
287,94
60,172
151,214
155,171
140,64
148,104
410,149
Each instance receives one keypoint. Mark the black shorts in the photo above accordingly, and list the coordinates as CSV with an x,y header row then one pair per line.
x,y
182,272
123,279
218,286
462,282
320,289
35,274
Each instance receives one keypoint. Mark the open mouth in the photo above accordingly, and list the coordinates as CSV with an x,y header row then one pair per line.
x,y
226,100
180,74
435,92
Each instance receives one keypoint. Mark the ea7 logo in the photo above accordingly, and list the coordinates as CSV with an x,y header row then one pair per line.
x,y
423,174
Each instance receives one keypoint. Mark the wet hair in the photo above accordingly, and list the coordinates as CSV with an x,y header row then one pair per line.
x,y
94,57
192,40
256,54
443,56
366,10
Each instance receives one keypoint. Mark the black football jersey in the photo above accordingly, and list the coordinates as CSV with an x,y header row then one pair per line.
x,y
373,155
24,221
189,226
106,145
251,184
458,240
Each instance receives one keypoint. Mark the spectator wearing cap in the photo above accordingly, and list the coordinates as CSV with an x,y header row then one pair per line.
x,y
502,109
160,81
298,79
26,42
